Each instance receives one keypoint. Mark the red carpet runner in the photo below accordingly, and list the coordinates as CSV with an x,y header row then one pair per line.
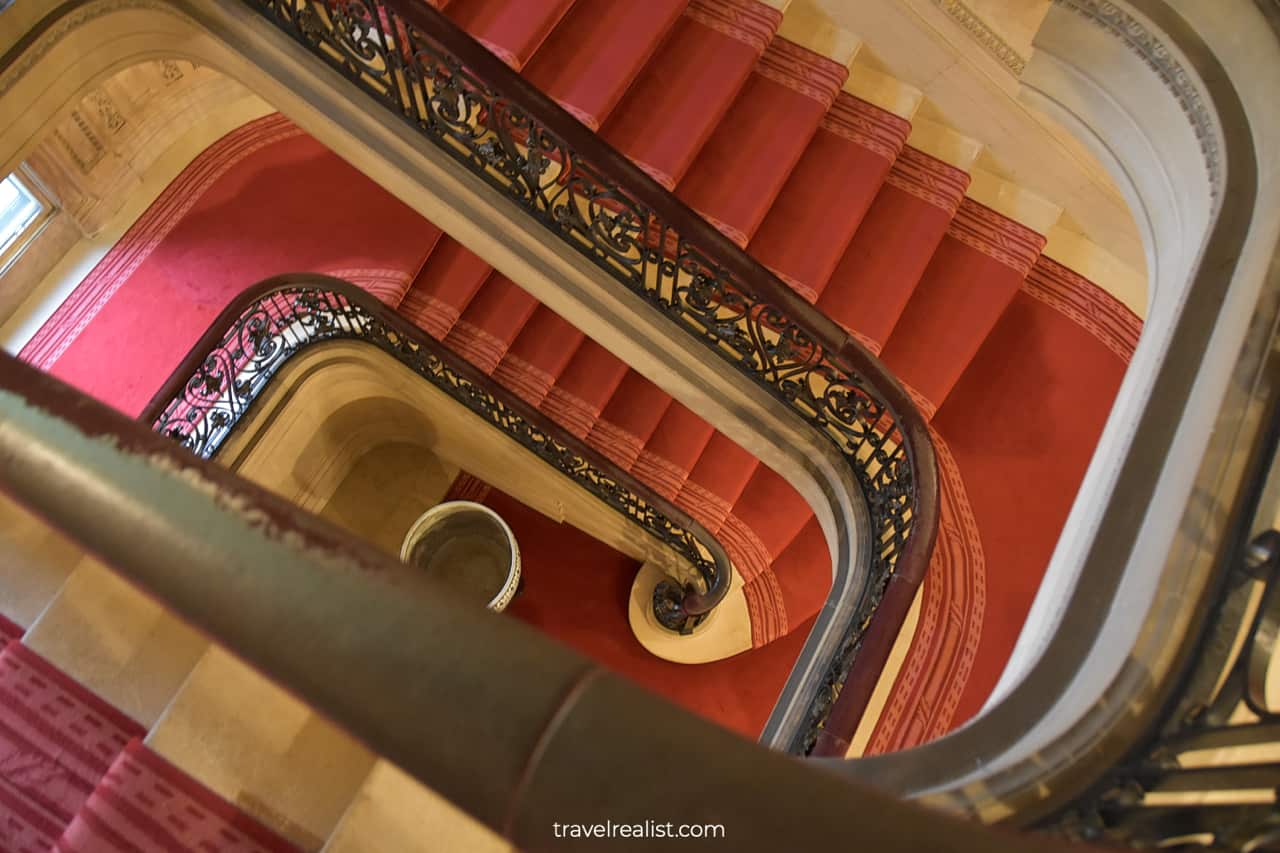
x,y
146,805
68,760
56,741
1013,439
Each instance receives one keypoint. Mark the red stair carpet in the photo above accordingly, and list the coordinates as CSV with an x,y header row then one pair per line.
x,y
263,200
706,57
74,775
1014,438
895,241
146,805
56,741
1015,360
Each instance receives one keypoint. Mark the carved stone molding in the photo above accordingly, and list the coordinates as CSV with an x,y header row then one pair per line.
x,y
1158,57
96,156
58,30
985,36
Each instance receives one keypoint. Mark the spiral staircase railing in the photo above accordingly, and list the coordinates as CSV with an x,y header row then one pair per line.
x,y
227,371
415,62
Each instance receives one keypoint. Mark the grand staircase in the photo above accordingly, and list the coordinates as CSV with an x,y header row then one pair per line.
x,y
752,118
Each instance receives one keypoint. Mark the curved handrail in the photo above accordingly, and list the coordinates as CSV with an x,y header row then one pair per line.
x,y
453,91
269,323
545,732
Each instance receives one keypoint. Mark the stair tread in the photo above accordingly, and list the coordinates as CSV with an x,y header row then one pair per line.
x,y
37,562
673,449
583,389
27,826
511,31
57,739
391,285
539,355
825,198
393,812
116,642
629,419
49,709
596,52
716,480
691,85
981,263
889,252
771,511
491,322
447,282
745,161
284,764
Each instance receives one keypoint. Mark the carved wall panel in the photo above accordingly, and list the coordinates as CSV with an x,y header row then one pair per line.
x,y
96,156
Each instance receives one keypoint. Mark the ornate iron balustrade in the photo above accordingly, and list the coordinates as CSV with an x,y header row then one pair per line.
x,y
417,63
261,330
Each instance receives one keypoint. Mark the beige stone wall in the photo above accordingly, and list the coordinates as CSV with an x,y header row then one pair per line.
x,y
1002,28
338,420
347,432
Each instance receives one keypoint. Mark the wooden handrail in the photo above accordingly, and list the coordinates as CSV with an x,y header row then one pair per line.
x,y
508,725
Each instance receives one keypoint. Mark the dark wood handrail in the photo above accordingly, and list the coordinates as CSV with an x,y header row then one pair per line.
x,y
546,736
691,601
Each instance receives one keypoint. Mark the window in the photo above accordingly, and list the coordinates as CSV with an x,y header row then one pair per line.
x,y
23,212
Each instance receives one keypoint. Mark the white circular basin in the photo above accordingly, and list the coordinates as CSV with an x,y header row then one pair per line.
x,y
469,547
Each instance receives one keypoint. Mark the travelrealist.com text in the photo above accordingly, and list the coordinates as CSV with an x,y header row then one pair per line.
x,y
645,829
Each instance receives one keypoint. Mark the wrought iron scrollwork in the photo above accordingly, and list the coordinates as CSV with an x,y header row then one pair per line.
x,y
413,60
272,323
